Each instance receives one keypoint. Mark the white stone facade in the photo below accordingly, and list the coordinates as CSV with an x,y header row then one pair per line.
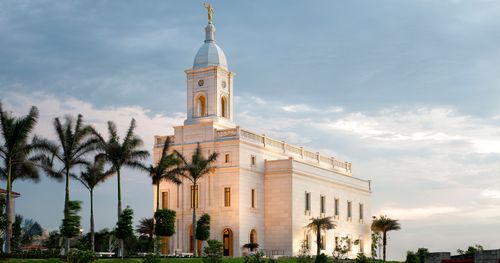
x,y
267,179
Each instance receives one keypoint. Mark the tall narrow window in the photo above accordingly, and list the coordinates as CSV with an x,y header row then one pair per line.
x,y
306,240
349,209
252,160
223,105
361,212
226,158
253,198
194,196
164,200
308,202
361,245
336,206
227,197
337,242
322,242
322,204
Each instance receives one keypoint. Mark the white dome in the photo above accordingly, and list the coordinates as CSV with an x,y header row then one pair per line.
x,y
210,54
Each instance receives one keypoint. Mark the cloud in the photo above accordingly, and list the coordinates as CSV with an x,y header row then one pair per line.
x,y
50,106
490,193
417,213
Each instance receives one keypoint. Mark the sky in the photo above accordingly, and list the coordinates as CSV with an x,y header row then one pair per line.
x,y
407,91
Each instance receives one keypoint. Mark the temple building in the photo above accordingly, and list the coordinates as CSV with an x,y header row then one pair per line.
x,y
263,190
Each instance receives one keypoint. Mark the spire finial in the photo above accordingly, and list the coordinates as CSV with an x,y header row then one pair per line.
x,y
210,12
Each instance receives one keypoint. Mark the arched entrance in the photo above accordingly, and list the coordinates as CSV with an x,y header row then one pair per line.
x,y
253,237
191,241
227,240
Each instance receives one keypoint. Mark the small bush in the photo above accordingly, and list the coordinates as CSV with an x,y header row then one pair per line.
x,y
81,256
213,252
251,246
361,258
257,257
151,258
321,258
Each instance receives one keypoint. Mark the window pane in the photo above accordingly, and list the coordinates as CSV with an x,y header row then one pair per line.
x,y
164,200
227,197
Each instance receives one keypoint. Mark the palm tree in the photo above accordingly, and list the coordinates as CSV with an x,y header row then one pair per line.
x,y
318,225
384,224
15,153
122,154
146,227
75,140
93,175
166,169
194,171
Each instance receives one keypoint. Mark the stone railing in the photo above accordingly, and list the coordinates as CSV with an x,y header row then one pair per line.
x,y
296,152
292,150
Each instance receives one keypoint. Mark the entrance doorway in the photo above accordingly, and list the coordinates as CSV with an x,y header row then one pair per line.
x,y
191,242
227,240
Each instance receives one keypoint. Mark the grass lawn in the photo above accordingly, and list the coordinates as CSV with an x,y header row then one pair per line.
x,y
126,260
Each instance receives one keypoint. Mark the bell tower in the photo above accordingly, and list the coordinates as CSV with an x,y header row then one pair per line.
x,y
210,84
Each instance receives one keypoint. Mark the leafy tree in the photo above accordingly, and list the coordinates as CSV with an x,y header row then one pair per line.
x,y
471,250
70,227
422,253
124,228
93,175
318,225
213,252
342,248
53,241
384,224
15,154
30,230
194,170
17,232
74,141
167,169
146,227
122,153
411,257
203,227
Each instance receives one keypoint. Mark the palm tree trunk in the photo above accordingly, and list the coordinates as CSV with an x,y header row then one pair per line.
x,y
384,243
120,241
66,200
8,208
195,245
92,240
157,238
318,241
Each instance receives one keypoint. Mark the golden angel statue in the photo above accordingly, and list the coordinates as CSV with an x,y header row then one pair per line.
x,y
210,11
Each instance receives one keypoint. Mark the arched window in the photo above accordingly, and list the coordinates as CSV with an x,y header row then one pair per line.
x,y
201,106
253,236
223,105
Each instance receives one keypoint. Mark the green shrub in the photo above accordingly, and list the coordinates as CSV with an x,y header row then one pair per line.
x,y
81,256
257,257
151,258
165,222
213,252
321,258
361,258
251,246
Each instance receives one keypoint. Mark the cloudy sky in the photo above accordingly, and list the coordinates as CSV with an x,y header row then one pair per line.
x,y
407,91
